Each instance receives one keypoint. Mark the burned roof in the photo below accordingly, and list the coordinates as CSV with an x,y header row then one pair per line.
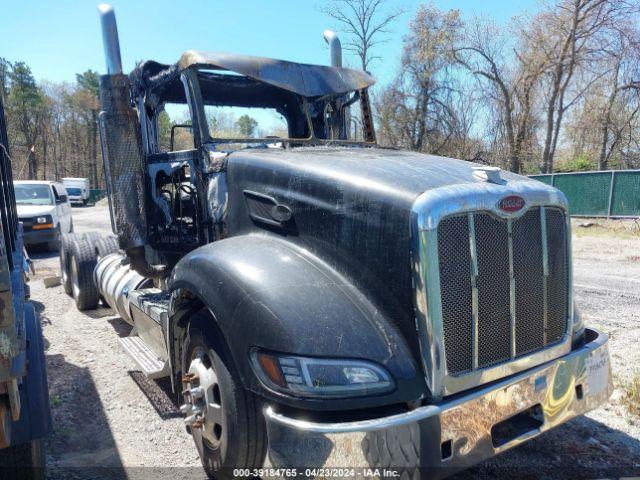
x,y
299,78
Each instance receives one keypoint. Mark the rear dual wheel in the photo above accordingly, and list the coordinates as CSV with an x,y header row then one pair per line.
x,y
223,418
82,263
65,260
105,246
77,277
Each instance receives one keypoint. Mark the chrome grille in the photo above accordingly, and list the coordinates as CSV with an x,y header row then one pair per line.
x,y
558,282
492,280
457,311
503,294
527,253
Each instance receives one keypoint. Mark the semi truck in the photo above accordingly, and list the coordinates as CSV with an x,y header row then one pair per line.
x,y
318,300
25,418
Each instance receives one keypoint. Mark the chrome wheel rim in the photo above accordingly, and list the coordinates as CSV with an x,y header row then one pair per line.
x,y
203,406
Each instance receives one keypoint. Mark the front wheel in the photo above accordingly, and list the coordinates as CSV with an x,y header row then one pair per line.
x,y
224,419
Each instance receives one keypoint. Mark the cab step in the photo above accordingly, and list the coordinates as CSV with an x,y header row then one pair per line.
x,y
148,361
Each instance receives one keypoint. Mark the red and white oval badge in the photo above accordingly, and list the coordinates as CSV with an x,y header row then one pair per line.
x,y
511,204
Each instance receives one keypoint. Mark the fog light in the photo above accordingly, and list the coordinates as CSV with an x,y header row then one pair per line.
x,y
321,377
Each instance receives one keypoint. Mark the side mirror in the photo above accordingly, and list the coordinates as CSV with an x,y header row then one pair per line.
x,y
61,199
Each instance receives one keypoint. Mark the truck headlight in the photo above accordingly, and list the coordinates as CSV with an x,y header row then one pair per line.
x,y
41,220
320,377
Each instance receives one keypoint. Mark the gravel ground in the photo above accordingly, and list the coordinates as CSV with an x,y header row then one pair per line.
x,y
108,417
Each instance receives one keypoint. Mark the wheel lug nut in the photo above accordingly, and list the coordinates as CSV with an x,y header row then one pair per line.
x,y
196,393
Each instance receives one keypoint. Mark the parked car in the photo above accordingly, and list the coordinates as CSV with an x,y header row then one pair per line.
x,y
44,210
78,189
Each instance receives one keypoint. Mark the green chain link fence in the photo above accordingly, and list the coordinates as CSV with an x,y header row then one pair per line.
x,y
96,194
611,193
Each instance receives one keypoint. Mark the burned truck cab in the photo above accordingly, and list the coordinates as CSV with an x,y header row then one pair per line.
x,y
176,200
321,299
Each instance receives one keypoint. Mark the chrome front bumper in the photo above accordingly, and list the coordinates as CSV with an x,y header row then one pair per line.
x,y
457,433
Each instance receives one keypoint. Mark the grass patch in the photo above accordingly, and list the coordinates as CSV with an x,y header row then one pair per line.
x,y
55,401
600,227
631,396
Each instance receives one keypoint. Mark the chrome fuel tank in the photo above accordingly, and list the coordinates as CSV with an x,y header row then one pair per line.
x,y
115,280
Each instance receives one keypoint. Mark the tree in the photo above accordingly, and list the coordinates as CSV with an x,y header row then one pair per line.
x,y
365,22
26,106
164,130
508,76
418,110
5,69
246,125
573,36
89,89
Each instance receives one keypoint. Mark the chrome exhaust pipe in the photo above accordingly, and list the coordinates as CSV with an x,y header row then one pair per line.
x,y
341,126
335,47
110,39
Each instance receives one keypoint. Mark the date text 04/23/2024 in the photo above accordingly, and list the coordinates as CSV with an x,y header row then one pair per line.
x,y
317,472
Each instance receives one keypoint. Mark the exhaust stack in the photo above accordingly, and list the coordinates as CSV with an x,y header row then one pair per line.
x,y
340,125
110,39
335,47
124,163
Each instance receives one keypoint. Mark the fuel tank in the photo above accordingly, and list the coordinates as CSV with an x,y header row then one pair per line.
x,y
115,279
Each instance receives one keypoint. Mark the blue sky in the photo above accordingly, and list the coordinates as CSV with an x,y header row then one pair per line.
x,y
60,38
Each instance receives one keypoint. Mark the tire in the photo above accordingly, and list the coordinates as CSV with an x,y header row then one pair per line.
x,y
26,461
92,237
242,434
83,261
106,245
65,257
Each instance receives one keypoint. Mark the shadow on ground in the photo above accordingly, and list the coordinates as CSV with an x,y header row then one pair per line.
x,y
41,253
582,448
158,392
100,312
122,328
81,444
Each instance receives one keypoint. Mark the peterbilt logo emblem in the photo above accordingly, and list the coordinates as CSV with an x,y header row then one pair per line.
x,y
511,204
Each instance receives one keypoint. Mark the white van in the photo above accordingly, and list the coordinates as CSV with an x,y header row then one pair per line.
x,y
78,189
44,210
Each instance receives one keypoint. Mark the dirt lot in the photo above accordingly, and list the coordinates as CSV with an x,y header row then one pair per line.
x,y
108,417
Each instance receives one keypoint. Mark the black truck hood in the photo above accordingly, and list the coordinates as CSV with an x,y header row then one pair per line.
x,y
399,175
